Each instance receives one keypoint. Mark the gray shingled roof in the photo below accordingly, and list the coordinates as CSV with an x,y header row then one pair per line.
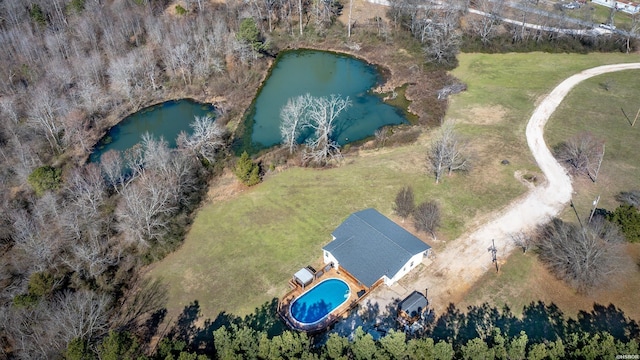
x,y
414,304
369,245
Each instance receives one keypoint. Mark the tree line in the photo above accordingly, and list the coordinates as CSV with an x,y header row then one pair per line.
x,y
480,332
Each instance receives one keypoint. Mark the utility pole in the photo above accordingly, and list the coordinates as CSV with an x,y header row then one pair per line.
x,y
636,118
494,252
578,216
593,211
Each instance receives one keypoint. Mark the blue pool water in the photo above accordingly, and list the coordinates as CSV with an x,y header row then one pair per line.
x,y
322,299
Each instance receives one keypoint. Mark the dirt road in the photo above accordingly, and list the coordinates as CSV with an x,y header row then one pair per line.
x,y
452,272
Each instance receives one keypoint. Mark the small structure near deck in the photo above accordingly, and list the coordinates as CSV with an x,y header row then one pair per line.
x,y
412,307
303,277
367,250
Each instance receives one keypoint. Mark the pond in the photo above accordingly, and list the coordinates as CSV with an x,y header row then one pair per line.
x,y
167,119
322,73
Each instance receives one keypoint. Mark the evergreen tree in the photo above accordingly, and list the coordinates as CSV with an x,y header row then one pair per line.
x,y
628,219
394,344
247,171
336,347
45,178
119,346
363,346
78,349
477,349
250,34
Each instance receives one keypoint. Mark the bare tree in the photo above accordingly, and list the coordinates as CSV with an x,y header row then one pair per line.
x,y
153,193
43,115
582,153
323,113
81,314
92,256
112,166
381,134
26,327
404,204
585,257
143,210
486,26
206,139
427,217
634,29
446,152
522,240
35,232
86,187
442,36
294,119
144,298
630,198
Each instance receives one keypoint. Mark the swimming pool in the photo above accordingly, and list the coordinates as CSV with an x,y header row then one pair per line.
x,y
315,304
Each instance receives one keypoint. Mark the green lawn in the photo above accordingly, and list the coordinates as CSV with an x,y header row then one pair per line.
x,y
240,252
588,107
599,14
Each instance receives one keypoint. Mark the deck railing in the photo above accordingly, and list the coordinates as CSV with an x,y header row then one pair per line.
x,y
285,302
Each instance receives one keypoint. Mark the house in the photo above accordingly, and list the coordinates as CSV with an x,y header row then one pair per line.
x,y
374,249
627,6
411,308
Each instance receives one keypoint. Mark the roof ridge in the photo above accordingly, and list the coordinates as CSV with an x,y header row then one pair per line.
x,y
380,232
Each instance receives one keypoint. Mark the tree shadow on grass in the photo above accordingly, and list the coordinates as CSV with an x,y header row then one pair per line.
x,y
198,332
607,318
542,323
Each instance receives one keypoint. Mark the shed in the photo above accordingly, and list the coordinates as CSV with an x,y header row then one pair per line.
x,y
303,277
413,306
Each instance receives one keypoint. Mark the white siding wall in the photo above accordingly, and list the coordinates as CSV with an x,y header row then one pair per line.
x,y
412,263
329,258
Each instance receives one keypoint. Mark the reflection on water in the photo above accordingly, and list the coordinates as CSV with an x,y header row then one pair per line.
x,y
167,120
322,74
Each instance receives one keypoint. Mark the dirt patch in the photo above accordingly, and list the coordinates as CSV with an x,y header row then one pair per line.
x,y
487,115
225,187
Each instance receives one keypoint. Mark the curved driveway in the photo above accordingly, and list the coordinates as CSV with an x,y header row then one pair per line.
x,y
456,268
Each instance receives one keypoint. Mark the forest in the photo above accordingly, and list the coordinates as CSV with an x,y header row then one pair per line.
x,y
75,234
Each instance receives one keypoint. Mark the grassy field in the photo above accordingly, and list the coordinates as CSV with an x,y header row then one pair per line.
x,y
588,107
592,108
245,245
523,279
602,13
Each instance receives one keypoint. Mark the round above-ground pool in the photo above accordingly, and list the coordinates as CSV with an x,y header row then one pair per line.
x,y
317,303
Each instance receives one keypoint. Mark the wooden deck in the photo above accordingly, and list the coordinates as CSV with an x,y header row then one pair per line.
x,y
342,311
